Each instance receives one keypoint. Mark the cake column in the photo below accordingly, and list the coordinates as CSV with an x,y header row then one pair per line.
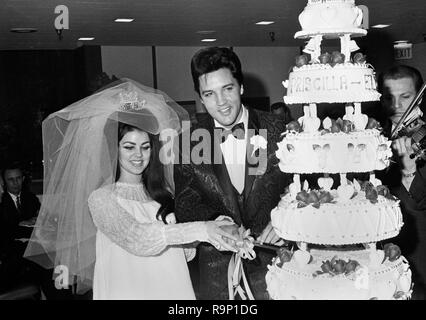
x,y
360,120
347,46
311,122
376,182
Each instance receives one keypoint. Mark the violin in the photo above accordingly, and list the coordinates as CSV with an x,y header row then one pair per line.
x,y
412,125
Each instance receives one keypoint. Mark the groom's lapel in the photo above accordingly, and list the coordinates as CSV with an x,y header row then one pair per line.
x,y
251,161
222,175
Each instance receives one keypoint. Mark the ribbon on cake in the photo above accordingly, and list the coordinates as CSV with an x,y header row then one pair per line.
x,y
236,270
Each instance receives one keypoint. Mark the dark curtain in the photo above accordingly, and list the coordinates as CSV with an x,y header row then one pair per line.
x,y
33,84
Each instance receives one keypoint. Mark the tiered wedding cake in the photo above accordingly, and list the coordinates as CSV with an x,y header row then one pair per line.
x,y
336,229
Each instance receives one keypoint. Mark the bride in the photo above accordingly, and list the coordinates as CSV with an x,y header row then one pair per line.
x,y
107,212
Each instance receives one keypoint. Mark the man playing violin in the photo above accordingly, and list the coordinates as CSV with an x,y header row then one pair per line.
x,y
406,177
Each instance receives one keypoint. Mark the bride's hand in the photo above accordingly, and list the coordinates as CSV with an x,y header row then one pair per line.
x,y
219,237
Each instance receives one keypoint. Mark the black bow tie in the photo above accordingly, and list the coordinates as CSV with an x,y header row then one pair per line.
x,y
237,131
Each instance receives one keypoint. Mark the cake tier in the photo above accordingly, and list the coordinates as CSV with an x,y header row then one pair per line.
x,y
358,151
330,33
386,281
341,83
330,17
340,223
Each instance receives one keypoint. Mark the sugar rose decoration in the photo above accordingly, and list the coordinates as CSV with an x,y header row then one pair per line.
x,y
338,266
392,251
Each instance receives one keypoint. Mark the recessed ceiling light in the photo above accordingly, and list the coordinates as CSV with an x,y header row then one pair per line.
x,y
208,40
23,30
86,39
124,20
206,32
264,23
380,26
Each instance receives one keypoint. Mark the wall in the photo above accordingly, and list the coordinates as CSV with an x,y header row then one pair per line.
x,y
34,84
264,68
174,72
129,62
419,58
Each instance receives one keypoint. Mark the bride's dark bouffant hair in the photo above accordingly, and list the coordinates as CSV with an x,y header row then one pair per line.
x,y
153,175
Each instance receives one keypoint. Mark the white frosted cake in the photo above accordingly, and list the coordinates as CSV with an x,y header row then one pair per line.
x,y
348,218
316,83
368,278
339,152
336,222
330,17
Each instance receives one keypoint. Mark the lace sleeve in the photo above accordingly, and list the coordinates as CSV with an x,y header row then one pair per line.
x,y
141,239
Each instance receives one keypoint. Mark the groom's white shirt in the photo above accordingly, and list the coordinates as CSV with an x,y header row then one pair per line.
x,y
234,154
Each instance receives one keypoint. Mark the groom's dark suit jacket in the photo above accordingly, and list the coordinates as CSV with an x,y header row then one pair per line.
x,y
204,191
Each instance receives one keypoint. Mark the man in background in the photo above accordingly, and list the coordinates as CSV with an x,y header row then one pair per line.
x,y
17,203
282,110
405,177
17,206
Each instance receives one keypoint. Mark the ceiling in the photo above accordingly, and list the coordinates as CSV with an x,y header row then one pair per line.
x,y
176,22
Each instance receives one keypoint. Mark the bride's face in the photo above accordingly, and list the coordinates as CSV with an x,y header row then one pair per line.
x,y
134,151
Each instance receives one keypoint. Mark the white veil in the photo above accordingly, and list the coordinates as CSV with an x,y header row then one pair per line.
x,y
80,155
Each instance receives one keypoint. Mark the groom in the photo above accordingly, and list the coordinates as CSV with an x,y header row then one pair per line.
x,y
240,178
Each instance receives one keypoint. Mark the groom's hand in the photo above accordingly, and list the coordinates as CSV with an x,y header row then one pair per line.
x,y
219,237
269,236
232,229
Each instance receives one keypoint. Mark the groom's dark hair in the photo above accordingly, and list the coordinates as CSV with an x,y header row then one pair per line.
x,y
212,59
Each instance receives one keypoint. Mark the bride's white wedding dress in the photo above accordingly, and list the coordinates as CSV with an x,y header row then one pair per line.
x,y
137,256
